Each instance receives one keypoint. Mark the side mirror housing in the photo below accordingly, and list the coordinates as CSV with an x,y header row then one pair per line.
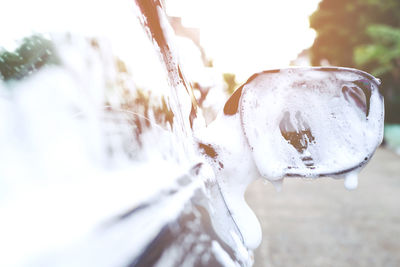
x,y
294,122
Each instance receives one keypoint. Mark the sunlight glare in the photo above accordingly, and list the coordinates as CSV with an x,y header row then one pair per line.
x,y
244,37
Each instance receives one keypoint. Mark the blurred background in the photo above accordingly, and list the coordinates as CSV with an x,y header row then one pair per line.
x,y
221,44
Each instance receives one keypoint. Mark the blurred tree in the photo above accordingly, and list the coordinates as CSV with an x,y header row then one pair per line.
x,y
33,53
363,34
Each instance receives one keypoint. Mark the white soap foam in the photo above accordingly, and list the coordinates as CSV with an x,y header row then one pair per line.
x,y
342,137
237,173
58,181
278,185
351,181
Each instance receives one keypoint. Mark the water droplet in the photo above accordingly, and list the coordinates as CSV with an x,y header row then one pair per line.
x,y
278,185
351,181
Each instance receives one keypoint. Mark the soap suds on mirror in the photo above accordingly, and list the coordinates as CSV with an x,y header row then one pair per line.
x,y
301,122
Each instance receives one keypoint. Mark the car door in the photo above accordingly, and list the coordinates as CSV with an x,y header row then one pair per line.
x,y
99,165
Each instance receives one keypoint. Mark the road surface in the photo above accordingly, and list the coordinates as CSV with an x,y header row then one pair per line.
x,y
320,223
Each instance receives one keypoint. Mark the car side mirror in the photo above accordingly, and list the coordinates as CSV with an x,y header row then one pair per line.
x,y
311,122
294,122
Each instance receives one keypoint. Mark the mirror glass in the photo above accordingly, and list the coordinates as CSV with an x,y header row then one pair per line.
x,y
311,122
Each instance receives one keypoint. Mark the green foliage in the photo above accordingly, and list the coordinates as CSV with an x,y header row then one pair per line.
x,y
33,53
382,56
363,34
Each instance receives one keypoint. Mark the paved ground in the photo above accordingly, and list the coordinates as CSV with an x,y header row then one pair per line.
x,y
320,223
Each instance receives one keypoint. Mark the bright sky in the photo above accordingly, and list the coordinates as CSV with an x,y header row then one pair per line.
x,y
240,36
247,36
